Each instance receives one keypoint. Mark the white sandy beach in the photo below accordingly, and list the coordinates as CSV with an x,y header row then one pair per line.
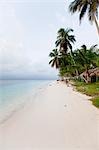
x,y
57,119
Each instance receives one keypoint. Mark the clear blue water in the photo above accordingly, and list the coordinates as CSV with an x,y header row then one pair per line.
x,y
13,91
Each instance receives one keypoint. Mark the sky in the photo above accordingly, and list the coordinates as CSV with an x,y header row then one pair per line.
x,y
28,30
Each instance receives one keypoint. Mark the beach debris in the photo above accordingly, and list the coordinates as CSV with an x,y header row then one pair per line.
x,y
65,105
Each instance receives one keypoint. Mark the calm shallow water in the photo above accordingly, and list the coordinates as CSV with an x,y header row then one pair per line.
x,y
14,92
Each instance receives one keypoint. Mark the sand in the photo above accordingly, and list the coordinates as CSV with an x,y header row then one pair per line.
x,y
58,118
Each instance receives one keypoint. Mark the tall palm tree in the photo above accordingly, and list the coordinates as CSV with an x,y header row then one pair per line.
x,y
83,6
65,40
55,61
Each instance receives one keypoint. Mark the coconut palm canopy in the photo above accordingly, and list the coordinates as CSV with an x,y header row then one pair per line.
x,y
65,40
86,6
86,57
55,61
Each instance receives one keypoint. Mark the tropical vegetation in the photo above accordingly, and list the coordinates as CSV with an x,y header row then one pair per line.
x,y
65,40
55,61
73,63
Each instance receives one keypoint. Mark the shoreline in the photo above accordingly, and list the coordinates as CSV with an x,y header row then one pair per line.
x,y
19,103
58,119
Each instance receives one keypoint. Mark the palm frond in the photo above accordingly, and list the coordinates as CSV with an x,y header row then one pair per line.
x,y
51,54
74,6
82,6
50,61
83,11
68,30
84,47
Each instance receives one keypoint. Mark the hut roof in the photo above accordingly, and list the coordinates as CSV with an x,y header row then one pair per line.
x,y
91,72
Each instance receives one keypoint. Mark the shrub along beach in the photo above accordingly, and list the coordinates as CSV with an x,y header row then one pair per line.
x,y
91,89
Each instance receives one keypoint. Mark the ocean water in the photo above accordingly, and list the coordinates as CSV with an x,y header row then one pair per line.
x,y
14,93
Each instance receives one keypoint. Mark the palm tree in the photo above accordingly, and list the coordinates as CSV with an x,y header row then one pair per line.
x,y
55,61
65,40
83,6
86,59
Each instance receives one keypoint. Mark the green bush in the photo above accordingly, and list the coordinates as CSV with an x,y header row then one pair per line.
x,y
91,89
95,101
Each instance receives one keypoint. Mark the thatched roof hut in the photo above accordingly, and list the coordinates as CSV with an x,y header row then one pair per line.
x,y
92,75
93,72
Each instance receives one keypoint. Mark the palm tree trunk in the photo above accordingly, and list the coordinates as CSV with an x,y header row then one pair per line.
x,y
96,23
87,75
77,74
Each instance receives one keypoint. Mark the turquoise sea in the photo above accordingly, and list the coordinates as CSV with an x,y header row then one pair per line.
x,y
14,93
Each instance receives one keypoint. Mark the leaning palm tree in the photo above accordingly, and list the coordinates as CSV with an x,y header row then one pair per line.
x,y
83,6
55,61
65,40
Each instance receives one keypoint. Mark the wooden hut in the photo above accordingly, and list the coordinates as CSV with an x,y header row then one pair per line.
x,y
92,75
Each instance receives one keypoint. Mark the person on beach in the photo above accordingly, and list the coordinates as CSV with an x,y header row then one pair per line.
x,y
67,83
